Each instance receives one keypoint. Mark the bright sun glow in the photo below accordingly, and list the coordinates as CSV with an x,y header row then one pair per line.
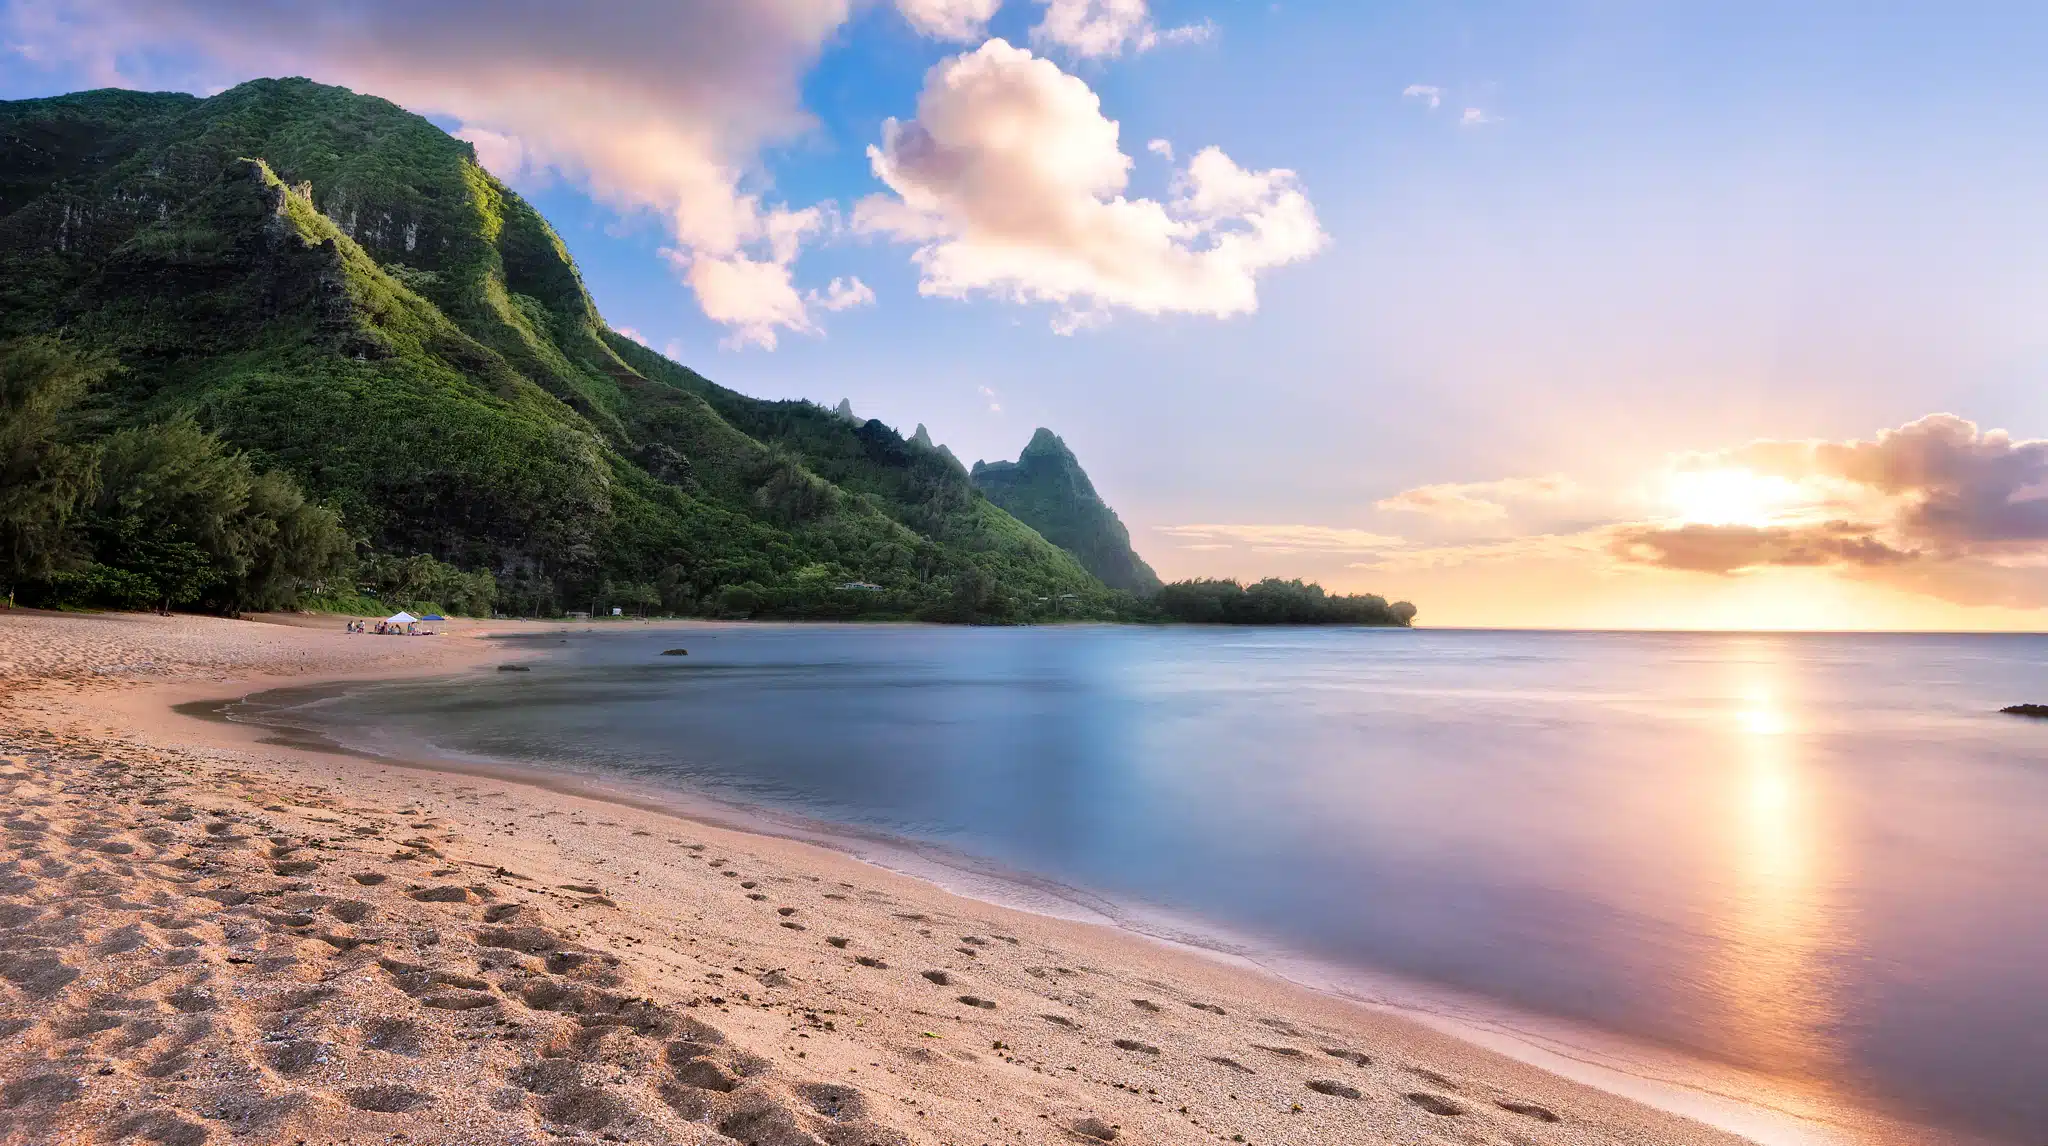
x,y
1730,497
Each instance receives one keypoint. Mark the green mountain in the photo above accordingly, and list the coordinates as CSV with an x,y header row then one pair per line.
x,y
1046,489
334,291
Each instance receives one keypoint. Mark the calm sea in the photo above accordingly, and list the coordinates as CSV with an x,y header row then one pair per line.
x,y
1821,859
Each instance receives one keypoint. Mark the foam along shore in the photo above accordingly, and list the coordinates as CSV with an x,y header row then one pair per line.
x,y
212,938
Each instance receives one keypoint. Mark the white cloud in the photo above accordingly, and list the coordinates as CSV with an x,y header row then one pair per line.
x,y
1285,538
1011,181
1427,93
1380,551
1476,117
843,294
655,106
635,335
959,20
1588,545
1477,500
752,290
1163,148
754,297
501,155
1200,33
989,395
1101,29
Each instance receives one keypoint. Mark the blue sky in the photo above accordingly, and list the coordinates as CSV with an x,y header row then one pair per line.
x,y
1661,232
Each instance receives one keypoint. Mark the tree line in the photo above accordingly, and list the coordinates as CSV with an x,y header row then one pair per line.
x,y
1274,602
166,515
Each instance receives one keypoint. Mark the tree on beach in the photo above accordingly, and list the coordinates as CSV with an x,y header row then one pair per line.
x,y
44,478
179,509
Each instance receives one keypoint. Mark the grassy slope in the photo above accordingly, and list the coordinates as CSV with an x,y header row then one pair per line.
x,y
336,286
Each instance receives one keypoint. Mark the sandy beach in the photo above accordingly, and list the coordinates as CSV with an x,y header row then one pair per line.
x,y
208,938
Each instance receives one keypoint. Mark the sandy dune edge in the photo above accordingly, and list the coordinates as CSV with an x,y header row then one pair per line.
x,y
205,939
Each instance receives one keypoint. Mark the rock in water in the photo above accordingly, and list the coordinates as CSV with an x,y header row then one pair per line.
x,y
675,652
513,668
2037,711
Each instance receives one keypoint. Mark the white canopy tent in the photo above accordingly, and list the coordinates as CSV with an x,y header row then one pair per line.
x,y
400,618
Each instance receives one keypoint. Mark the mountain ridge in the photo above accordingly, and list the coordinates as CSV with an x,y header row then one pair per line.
x,y
336,288
1047,489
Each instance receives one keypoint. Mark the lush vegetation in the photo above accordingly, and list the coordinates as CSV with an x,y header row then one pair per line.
x,y
376,371
1274,602
1046,489
289,346
159,515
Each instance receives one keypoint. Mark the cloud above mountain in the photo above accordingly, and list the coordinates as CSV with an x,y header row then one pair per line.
x,y
667,108
654,107
1011,183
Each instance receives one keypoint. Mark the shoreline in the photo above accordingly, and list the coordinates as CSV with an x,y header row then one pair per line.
x,y
1724,1097
1469,1051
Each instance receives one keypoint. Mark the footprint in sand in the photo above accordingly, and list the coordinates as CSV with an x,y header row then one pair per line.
x,y
1435,1104
1096,1128
1528,1110
387,1099
1333,1088
1432,1076
393,1034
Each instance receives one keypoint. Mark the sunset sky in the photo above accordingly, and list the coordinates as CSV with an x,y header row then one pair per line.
x,y
1579,314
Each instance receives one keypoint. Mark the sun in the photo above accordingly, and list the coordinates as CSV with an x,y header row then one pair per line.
x,y
1730,496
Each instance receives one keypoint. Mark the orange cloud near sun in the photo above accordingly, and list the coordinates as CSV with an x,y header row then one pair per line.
x,y
1935,524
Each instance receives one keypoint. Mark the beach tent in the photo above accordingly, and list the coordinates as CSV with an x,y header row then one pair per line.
x,y
433,617
400,618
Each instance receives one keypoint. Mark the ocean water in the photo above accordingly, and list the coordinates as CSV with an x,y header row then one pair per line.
x,y
1819,860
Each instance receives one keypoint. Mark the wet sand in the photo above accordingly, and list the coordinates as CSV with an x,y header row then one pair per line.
x,y
209,938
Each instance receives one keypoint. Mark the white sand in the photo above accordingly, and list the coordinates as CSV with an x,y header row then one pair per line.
x,y
212,939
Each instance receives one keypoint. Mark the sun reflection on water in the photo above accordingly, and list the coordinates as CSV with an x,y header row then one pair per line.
x,y
1774,928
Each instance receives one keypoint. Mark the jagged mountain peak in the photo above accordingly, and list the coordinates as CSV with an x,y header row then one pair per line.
x,y
1047,489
